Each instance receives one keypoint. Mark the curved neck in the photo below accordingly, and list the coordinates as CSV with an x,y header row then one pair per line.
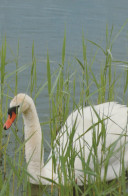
x,y
33,138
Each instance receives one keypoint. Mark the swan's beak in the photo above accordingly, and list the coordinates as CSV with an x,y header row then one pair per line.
x,y
10,120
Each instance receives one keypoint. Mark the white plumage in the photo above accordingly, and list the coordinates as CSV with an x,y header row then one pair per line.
x,y
105,124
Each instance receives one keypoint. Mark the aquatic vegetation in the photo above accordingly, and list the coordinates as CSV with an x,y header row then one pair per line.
x,y
62,86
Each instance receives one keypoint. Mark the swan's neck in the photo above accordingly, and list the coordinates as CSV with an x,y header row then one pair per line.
x,y
33,138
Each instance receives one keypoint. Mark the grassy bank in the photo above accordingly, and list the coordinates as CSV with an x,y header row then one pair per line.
x,y
62,86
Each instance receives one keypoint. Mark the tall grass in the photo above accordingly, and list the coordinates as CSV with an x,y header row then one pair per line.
x,y
2,70
62,88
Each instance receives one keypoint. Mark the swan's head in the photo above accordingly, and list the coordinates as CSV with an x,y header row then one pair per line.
x,y
20,103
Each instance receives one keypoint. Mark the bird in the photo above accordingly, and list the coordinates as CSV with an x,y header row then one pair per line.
x,y
92,133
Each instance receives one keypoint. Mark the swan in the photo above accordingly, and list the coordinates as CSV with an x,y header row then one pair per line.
x,y
89,122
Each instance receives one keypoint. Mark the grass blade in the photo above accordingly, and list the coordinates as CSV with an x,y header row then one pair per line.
x,y
48,74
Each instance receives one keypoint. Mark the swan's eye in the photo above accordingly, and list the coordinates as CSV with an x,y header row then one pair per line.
x,y
13,109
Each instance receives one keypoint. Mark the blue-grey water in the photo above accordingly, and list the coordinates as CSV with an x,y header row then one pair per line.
x,y
44,22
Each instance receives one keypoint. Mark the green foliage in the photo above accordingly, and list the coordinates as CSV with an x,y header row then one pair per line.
x,y
62,87
33,85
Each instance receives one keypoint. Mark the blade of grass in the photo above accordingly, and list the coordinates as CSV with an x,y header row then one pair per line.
x,y
48,74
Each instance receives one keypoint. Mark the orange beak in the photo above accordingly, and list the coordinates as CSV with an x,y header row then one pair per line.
x,y
10,120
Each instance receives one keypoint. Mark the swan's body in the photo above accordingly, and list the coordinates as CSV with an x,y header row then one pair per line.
x,y
113,119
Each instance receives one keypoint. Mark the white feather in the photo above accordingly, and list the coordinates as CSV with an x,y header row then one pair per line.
x,y
112,115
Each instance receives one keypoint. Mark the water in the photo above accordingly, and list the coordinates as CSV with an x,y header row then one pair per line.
x,y
45,22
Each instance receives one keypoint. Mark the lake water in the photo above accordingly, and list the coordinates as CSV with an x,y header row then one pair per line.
x,y
45,22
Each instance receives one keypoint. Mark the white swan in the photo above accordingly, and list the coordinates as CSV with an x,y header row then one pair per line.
x,y
111,118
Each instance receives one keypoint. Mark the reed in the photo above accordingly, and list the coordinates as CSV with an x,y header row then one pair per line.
x,y
62,87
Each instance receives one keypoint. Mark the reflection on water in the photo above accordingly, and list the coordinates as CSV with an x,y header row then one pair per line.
x,y
46,190
37,190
